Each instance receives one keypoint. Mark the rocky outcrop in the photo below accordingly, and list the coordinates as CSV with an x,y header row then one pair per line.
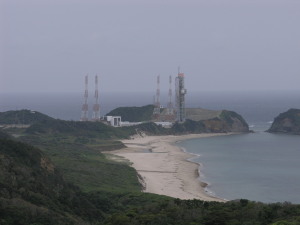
x,y
287,122
234,121
224,122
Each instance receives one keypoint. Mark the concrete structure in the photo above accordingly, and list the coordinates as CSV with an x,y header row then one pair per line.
x,y
180,97
114,121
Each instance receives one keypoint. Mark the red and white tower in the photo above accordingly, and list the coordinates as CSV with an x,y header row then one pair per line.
x,y
96,108
84,110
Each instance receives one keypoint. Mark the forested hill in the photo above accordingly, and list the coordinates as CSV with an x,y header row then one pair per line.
x,y
24,116
34,191
287,122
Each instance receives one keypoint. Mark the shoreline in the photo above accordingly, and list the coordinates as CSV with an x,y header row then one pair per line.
x,y
164,168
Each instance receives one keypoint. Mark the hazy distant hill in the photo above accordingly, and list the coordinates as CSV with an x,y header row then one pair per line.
x,y
287,122
198,120
23,116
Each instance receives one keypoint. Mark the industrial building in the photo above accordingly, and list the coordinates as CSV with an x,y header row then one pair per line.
x,y
114,121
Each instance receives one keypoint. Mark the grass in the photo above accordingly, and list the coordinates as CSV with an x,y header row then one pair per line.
x,y
85,165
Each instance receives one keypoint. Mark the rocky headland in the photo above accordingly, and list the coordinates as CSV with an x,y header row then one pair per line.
x,y
287,122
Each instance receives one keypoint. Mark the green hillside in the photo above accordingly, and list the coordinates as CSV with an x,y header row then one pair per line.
x,y
77,128
133,114
33,191
287,122
22,117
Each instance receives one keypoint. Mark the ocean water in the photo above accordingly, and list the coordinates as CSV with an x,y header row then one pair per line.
x,y
258,166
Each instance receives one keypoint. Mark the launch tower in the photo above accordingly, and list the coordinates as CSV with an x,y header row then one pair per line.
x,y
96,108
180,97
156,111
170,103
84,110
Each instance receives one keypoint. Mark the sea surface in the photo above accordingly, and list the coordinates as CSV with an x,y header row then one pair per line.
x,y
258,166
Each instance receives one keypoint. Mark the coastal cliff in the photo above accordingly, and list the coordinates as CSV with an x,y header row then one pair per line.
x,y
287,122
225,121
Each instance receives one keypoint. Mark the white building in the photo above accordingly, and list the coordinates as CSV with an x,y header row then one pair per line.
x,y
114,121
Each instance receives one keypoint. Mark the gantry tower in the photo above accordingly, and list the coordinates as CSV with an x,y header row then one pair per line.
x,y
96,108
156,111
180,97
170,103
84,110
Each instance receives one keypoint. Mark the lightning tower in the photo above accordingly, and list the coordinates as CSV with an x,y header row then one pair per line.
x,y
84,112
170,103
156,111
96,108
180,97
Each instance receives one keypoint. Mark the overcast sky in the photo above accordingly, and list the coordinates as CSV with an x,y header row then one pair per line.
x,y
49,45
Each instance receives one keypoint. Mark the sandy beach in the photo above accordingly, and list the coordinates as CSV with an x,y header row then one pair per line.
x,y
164,167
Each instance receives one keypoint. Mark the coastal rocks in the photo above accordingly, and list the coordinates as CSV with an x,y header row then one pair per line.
x,y
287,122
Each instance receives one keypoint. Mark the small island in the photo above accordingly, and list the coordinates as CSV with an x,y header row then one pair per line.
x,y
287,122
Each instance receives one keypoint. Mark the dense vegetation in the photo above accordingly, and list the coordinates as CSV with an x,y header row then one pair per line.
x,y
33,191
287,122
36,186
133,114
22,117
79,129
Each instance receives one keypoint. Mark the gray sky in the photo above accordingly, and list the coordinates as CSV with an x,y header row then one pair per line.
x,y
49,45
